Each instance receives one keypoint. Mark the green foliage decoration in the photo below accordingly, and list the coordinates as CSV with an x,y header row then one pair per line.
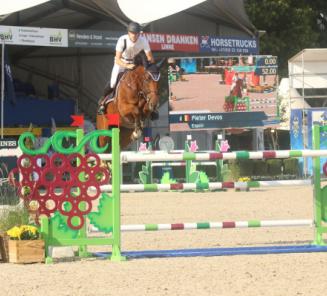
x,y
27,140
166,179
59,227
103,219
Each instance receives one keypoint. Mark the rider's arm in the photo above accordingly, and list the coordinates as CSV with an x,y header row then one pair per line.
x,y
149,56
147,50
120,62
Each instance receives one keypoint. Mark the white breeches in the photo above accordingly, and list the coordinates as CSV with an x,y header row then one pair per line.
x,y
114,74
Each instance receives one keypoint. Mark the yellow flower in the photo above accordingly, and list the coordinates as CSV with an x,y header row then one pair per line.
x,y
14,232
244,179
24,232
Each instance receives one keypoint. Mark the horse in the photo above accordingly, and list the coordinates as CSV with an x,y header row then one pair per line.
x,y
136,97
238,88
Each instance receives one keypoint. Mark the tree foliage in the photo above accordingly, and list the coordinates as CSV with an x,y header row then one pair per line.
x,y
290,25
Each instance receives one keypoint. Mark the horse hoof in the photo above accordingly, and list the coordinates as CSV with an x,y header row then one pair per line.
x,y
136,134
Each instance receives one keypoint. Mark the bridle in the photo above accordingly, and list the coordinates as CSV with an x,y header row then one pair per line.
x,y
145,92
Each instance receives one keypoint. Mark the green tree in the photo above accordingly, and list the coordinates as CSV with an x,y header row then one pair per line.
x,y
290,25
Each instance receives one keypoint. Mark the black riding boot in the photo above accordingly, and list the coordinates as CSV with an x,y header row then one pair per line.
x,y
108,91
154,115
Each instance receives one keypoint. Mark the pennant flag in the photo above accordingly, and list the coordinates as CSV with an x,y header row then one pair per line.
x,y
9,81
113,119
187,117
78,120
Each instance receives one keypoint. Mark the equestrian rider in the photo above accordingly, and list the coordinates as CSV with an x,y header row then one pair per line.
x,y
128,46
234,80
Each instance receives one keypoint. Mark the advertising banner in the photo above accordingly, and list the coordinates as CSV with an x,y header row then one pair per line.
x,y
296,132
96,39
219,120
229,45
173,42
34,36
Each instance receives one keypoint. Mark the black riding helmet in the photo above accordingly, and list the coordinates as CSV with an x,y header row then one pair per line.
x,y
134,27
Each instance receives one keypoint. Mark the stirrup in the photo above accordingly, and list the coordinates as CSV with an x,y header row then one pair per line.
x,y
101,109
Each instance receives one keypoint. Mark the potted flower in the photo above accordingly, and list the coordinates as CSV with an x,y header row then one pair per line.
x,y
24,244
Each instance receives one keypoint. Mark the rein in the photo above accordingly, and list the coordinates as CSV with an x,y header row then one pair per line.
x,y
143,93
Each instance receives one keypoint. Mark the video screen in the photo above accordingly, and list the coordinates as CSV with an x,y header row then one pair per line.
x,y
219,92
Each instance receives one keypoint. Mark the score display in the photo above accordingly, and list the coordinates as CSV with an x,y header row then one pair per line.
x,y
222,92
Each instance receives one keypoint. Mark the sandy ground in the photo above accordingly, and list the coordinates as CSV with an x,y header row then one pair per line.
x,y
287,274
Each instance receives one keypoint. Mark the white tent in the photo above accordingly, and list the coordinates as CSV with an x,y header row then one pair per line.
x,y
307,70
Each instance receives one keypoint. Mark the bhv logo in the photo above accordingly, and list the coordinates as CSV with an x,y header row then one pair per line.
x,y
56,38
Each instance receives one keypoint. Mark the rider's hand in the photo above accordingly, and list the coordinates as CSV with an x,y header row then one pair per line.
x,y
130,66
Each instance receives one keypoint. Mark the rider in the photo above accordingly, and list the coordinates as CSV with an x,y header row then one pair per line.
x,y
234,80
128,46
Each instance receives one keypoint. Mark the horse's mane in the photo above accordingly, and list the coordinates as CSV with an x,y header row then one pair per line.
x,y
141,60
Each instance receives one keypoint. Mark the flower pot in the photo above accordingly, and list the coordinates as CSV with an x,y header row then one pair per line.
x,y
26,251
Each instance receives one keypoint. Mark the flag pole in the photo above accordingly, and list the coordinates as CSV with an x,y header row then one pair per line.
x,y
2,86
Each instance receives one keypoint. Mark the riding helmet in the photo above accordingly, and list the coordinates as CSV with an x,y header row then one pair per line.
x,y
134,27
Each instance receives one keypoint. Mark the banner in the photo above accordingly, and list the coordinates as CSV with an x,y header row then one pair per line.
x,y
34,36
9,82
96,39
220,120
107,39
229,45
173,42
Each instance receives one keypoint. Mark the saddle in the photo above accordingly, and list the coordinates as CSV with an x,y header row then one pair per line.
x,y
112,94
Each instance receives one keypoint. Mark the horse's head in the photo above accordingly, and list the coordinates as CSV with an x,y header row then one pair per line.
x,y
150,85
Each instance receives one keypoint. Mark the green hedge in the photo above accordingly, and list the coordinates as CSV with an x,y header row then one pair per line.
x,y
274,167
291,166
265,169
269,168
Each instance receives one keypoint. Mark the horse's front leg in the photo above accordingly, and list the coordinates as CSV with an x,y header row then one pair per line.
x,y
138,125
137,132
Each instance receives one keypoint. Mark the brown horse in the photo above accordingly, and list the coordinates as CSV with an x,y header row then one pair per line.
x,y
135,99
237,89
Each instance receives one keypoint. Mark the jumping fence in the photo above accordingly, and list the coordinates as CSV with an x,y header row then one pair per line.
x,y
73,180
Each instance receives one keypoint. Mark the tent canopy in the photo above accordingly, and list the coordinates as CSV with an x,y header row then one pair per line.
x,y
307,69
85,13
310,55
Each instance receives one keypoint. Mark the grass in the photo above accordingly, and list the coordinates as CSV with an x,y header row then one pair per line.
x,y
13,216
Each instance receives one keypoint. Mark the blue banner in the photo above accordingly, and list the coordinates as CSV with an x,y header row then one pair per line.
x,y
221,120
296,130
9,82
229,45
296,133
317,116
188,65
